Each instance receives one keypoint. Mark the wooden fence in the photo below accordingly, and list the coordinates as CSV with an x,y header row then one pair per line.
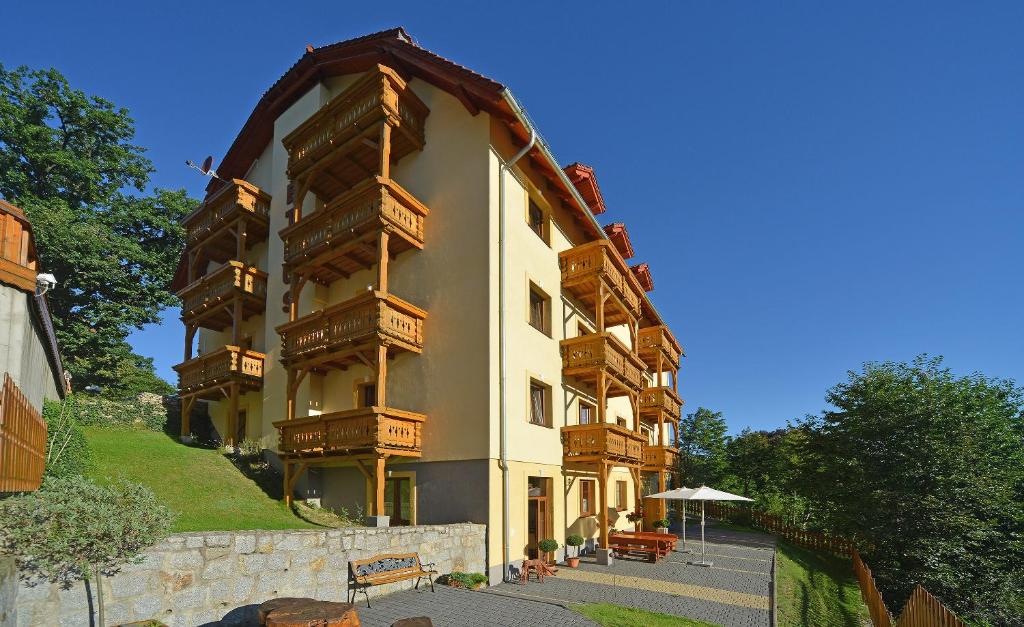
x,y
22,441
921,609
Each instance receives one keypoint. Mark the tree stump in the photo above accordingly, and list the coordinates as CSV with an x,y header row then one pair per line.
x,y
273,604
418,621
309,613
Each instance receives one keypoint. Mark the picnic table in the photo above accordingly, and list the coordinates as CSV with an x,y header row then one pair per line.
x,y
654,545
304,612
540,567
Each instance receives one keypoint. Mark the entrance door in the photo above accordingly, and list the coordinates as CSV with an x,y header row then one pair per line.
x,y
398,500
539,518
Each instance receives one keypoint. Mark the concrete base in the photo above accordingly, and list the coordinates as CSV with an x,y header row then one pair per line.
x,y
378,521
604,557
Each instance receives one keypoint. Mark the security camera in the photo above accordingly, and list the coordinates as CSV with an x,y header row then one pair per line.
x,y
45,282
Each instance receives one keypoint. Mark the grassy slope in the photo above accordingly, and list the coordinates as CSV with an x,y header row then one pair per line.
x,y
817,589
203,487
609,615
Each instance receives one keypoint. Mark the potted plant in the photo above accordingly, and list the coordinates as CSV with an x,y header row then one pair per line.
x,y
547,546
661,525
469,581
636,517
576,541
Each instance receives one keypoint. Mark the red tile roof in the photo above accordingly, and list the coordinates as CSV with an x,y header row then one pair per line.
x,y
642,272
617,233
583,178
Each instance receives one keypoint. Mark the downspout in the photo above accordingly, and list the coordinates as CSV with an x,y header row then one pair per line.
x,y
503,418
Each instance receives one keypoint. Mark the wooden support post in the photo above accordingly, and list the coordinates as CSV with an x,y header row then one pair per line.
x,y
236,321
382,375
599,307
287,483
385,151
658,370
378,492
661,428
232,421
190,336
675,380
290,395
662,486
382,260
600,396
602,483
186,415
300,196
634,401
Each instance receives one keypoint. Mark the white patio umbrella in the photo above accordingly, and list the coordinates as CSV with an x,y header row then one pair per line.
x,y
677,494
702,494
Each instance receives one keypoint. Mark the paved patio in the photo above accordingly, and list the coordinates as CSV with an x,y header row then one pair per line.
x,y
735,592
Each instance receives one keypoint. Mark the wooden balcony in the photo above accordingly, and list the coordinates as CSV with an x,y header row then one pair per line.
x,y
660,399
658,341
339,239
586,267
369,431
602,442
660,458
208,302
342,140
584,356
215,223
337,336
204,375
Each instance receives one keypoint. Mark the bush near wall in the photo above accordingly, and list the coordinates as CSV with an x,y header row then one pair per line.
x,y
147,411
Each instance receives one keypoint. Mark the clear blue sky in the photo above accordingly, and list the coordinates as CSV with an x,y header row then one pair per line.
x,y
814,186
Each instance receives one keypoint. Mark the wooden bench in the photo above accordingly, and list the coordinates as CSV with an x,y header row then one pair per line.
x,y
388,568
668,539
624,544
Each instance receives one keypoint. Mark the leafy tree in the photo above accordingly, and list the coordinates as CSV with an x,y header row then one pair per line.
x,y
702,458
72,529
68,160
67,452
926,469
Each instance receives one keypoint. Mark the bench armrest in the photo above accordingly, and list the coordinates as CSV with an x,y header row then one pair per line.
x,y
428,566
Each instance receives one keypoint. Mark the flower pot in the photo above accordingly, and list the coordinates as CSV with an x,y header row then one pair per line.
x,y
661,529
572,562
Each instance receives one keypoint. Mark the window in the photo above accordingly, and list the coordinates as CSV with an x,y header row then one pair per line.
x,y
587,413
536,220
620,495
582,329
540,395
540,310
366,394
621,422
587,495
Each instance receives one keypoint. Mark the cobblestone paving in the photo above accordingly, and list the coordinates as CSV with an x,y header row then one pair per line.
x,y
734,592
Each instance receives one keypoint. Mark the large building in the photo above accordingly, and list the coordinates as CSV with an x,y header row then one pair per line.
x,y
396,289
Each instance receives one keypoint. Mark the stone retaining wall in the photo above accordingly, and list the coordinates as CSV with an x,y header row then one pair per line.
x,y
8,591
204,577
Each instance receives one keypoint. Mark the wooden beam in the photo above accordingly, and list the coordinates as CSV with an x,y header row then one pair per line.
x,y
385,151
382,375
378,496
602,480
232,418
382,260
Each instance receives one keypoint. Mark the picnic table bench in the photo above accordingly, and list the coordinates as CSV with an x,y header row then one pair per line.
x,y
388,568
625,543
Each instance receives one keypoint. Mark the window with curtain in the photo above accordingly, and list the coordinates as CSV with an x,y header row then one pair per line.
x,y
539,414
540,307
536,220
587,495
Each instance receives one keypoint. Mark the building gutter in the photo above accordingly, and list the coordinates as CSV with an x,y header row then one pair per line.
x,y
502,357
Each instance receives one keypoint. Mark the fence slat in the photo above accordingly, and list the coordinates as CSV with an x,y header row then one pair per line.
x,y
22,441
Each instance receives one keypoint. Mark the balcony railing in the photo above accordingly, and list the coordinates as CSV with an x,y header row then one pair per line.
x,y
333,238
585,266
345,129
660,458
378,429
585,355
202,300
656,341
602,442
229,364
209,223
660,399
331,334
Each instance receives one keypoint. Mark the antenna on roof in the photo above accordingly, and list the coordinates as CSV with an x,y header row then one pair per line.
x,y
206,169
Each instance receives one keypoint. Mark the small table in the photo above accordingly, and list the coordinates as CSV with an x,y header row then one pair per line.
x,y
299,612
537,566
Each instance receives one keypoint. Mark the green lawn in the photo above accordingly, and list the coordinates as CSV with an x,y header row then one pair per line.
x,y
817,589
610,615
201,485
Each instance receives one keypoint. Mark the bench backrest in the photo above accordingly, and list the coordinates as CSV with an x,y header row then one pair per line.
x,y
386,566
634,540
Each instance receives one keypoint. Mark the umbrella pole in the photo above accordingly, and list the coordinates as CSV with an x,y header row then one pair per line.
x,y
703,561
684,526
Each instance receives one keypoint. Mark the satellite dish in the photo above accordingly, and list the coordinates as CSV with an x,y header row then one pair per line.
x,y
207,164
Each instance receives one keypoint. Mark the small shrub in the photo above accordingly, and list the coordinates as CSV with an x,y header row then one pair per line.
x,y
469,581
250,448
575,540
547,545
662,523
67,452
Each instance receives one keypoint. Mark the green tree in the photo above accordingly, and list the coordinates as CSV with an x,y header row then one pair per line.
x,y
926,470
702,458
72,529
68,160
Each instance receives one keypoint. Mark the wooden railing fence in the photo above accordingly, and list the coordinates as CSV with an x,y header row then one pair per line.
x,y
22,441
921,609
